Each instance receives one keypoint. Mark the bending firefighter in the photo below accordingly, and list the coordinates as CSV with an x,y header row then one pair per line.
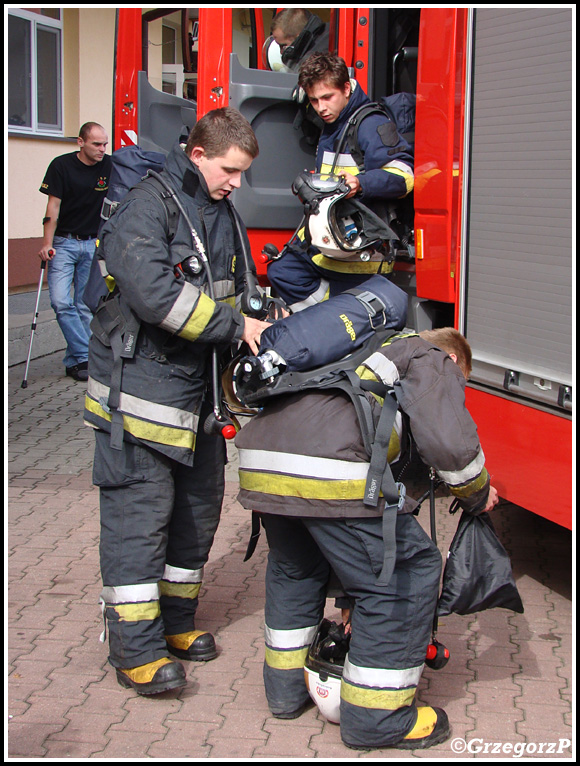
x,y
306,468
161,476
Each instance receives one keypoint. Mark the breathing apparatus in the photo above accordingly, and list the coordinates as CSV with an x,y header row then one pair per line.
x,y
253,302
286,60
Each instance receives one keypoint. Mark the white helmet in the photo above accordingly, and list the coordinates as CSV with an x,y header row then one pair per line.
x,y
323,668
272,56
340,228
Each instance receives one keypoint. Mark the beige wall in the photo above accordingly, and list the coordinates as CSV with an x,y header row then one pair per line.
x,y
88,45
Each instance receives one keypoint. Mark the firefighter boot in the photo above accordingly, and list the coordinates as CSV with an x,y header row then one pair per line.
x,y
431,728
153,677
195,645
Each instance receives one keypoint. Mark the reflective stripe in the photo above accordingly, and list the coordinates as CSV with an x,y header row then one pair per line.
x,y
344,160
376,699
384,368
320,294
384,678
466,490
181,309
199,319
303,465
167,435
350,267
311,489
137,612
398,165
224,288
286,660
127,594
471,471
406,174
141,408
179,589
102,267
177,574
289,639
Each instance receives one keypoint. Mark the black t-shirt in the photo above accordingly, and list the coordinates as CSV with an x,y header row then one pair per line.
x,y
81,189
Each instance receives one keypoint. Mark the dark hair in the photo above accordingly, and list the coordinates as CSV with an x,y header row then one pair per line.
x,y
85,129
323,67
452,341
221,129
291,21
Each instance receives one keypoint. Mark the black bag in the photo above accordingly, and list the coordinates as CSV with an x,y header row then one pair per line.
x,y
478,573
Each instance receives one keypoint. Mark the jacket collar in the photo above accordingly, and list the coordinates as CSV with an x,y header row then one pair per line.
x,y
186,176
358,98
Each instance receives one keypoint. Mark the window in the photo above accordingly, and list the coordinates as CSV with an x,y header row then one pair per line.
x,y
35,71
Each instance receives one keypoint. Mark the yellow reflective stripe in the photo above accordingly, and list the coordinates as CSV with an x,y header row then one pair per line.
x,y
198,321
172,437
110,282
286,660
179,589
474,486
135,612
342,166
377,699
350,267
312,489
407,177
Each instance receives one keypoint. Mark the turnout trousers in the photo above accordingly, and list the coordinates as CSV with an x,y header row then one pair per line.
x,y
391,624
158,521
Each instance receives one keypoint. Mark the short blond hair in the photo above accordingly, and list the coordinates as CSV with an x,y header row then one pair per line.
x,y
453,342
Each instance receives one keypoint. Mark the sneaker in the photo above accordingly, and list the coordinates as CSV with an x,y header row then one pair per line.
x,y
78,371
195,645
431,728
153,677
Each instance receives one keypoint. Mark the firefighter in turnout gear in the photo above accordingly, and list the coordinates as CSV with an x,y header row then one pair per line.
x,y
304,275
305,469
161,476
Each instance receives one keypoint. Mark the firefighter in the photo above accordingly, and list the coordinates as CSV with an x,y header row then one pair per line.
x,y
161,477
304,275
305,469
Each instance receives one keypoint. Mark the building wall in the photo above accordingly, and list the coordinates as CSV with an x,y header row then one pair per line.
x,y
88,57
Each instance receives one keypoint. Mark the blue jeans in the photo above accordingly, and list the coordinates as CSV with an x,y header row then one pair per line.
x,y
69,268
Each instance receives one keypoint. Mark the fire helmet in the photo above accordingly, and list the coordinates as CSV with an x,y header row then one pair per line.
x,y
339,228
323,668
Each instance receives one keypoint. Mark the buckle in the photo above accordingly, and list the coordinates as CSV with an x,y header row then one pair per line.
x,y
375,307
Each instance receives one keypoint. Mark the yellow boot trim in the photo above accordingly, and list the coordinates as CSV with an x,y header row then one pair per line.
x,y
184,640
143,674
425,723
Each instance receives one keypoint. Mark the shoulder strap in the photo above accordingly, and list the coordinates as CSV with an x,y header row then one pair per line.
x,y
350,133
156,189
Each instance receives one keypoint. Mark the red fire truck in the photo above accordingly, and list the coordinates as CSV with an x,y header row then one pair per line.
x,y
493,185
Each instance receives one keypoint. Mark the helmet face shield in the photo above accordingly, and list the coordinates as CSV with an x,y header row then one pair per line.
x,y
272,56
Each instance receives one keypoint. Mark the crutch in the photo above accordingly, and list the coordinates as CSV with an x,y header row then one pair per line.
x,y
33,327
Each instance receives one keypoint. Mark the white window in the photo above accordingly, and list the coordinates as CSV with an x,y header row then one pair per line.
x,y
35,71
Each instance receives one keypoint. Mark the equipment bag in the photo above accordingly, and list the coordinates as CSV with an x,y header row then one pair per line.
x,y
130,166
478,573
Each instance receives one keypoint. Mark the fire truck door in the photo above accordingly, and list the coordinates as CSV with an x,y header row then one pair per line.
x,y
265,200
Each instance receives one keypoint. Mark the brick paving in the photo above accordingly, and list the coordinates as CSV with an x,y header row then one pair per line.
x,y
509,680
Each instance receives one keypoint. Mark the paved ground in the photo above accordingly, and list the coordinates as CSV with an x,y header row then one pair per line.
x,y
509,680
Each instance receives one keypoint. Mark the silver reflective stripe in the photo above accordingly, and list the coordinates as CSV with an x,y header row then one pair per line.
x,y
130,594
177,574
103,268
316,297
471,471
182,308
384,368
289,639
398,165
301,465
224,288
133,405
344,160
382,678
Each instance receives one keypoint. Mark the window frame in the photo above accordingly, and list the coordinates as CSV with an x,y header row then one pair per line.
x,y
55,26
